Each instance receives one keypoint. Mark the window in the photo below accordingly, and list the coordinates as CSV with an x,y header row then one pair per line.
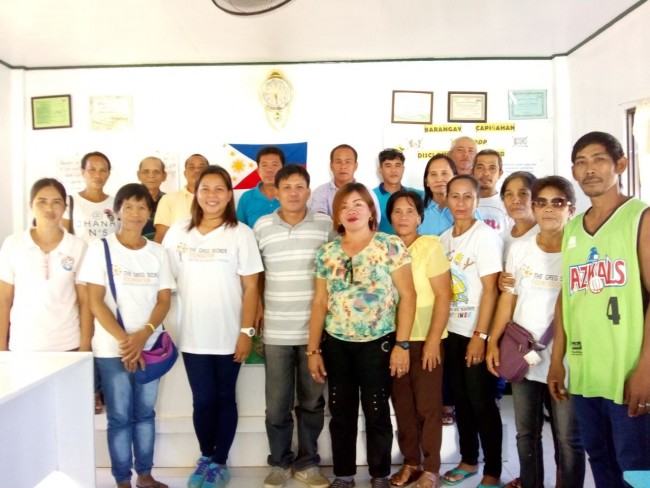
x,y
633,180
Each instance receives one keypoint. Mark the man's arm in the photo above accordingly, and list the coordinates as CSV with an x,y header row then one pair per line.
x,y
162,219
556,372
161,230
259,316
637,386
316,326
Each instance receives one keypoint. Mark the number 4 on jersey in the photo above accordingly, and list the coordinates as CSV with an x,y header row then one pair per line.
x,y
612,311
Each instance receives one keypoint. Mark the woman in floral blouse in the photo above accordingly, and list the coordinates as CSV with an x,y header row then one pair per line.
x,y
365,303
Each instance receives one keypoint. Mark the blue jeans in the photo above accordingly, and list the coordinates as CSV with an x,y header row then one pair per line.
x,y
529,398
287,372
614,441
131,419
213,378
359,369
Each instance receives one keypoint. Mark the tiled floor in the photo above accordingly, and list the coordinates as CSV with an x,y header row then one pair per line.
x,y
253,477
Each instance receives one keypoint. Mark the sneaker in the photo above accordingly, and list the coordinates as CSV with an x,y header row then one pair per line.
x,y
339,483
311,477
277,477
197,477
379,483
216,477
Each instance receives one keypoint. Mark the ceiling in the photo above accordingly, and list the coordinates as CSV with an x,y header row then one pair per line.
x,y
73,33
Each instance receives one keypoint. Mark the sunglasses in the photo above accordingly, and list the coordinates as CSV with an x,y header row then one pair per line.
x,y
553,202
349,271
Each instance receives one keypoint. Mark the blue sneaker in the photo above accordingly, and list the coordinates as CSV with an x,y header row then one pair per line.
x,y
199,474
216,477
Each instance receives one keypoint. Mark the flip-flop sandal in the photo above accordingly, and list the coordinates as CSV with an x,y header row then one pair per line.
x,y
455,472
427,480
405,475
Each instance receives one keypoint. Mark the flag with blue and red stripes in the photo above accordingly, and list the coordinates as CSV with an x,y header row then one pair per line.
x,y
240,161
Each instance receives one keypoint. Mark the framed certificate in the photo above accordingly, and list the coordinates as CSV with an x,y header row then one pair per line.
x,y
527,104
412,107
467,107
51,112
110,112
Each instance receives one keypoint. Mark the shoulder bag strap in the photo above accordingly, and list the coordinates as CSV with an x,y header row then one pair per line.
x,y
111,281
547,336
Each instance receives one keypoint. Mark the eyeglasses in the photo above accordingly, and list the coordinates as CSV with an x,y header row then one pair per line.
x,y
349,271
553,202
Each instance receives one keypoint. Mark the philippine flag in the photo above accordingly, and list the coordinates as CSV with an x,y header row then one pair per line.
x,y
240,161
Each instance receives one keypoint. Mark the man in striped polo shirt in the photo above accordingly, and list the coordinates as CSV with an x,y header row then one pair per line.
x,y
288,240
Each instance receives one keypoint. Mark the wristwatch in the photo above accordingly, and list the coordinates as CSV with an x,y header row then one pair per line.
x,y
403,344
482,335
249,331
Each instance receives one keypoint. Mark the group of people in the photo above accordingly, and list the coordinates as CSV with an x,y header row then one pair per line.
x,y
384,295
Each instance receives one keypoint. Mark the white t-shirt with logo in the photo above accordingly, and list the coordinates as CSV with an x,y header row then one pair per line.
x,y
538,281
493,213
92,220
44,315
139,275
476,253
208,270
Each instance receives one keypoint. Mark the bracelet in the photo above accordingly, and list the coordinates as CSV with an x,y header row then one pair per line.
x,y
150,325
311,353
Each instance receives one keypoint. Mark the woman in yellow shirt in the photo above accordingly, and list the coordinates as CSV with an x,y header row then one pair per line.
x,y
417,396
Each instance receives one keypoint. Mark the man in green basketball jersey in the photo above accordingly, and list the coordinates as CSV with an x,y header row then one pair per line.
x,y
602,317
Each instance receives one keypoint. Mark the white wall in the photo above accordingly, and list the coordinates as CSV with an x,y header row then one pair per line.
x,y
181,110
178,111
608,75
11,145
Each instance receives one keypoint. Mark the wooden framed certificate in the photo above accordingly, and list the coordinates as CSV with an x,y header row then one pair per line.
x,y
467,107
51,112
412,107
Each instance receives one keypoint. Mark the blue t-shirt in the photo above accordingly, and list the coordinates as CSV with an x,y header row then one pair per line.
x,y
382,197
253,204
